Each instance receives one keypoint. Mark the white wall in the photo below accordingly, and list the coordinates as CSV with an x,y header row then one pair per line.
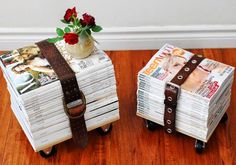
x,y
133,24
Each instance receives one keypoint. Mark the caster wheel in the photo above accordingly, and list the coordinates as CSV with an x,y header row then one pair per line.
x,y
104,130
48,152
151,126
199,146
224,118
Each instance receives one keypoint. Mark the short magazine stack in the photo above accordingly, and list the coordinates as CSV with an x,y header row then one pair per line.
x,y
56,97
184,92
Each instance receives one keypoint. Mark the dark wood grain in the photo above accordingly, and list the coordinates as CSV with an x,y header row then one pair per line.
x,y
129,142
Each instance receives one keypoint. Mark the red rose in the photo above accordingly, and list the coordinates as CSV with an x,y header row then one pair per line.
x,y
69,13
71,38
87,20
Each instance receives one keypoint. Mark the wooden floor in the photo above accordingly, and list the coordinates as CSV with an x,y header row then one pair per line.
x,y
129,142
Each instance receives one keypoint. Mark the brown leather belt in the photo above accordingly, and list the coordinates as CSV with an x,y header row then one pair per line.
x,y
172,92
74,100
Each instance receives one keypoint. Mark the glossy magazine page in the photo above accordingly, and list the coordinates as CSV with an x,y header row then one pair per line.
x,y
204,81
28,69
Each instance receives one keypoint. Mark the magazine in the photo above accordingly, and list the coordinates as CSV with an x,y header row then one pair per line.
x,y
29,70
204,81
37,97
203,98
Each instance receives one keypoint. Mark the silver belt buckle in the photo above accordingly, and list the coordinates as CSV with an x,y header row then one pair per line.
x,y
74,104
173,86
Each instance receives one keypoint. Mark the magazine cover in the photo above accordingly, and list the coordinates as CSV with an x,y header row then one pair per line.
x,y
205,80
28,69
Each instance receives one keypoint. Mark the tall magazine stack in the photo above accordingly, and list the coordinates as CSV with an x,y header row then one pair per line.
x,y
204,96
37,97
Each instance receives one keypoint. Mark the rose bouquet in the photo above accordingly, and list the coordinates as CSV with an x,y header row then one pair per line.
x,y
76,27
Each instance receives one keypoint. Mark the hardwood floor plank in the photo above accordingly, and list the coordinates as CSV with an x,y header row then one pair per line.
x,y
5,116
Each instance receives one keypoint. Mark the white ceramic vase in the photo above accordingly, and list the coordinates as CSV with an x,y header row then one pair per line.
x,y
82,49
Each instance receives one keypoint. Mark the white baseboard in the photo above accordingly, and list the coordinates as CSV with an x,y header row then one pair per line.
x,y
134,38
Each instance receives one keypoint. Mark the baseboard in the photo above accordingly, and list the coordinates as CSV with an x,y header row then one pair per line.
x,y
134,38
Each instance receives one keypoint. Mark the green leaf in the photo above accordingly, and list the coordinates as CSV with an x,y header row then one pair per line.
x,y
78,31
86,27
67,30
88,31
64,21
83,33
77,22
96,28
60,32
54,40
59,38
74,22
71,26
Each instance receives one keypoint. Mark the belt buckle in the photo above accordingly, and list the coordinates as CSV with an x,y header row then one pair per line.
x,y
173,86
75,104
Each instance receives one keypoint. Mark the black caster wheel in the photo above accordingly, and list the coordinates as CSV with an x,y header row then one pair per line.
x,y
199,146
151,126
104,130
48,152
224,118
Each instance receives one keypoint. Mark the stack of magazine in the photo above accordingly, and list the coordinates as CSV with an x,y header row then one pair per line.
x,y
204,96
37,97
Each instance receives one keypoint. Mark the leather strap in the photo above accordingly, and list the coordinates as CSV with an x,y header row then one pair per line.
x,y
172,92
74,100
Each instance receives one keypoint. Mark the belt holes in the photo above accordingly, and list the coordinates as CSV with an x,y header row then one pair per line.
x,y
180,77
199,55
168,122
194,61
186,69
169,110
170,98
169,130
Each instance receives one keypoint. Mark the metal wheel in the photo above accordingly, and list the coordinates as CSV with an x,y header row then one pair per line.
x,y
199,146
224,118
48,152
104,130
151,126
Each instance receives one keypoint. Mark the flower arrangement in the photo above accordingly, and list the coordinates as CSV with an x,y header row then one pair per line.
x,y
76,27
